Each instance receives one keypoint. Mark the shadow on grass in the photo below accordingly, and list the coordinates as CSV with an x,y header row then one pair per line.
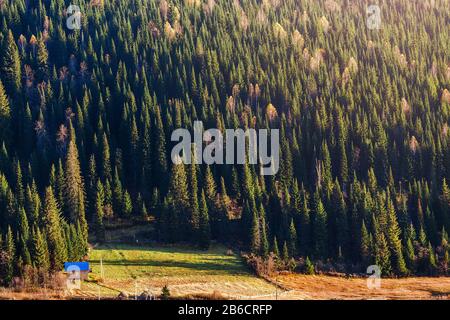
x,y
439,294
231,267
175,249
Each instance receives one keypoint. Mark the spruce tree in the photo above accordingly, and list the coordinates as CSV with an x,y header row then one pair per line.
x,y
292,239
264,251
309,267
319,228
193,194
99,212
127,205
117,194
5,115
285,254
10,249
204,236
53,231
382,254
365,244
275,248
39,251
11,66
24,229
74,189
393,238
255,234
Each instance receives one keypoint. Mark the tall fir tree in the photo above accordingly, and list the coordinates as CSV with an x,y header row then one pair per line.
x,y
53,230
74,189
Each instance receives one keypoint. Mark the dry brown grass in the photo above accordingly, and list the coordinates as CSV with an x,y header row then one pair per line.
x,y
42,294
327,288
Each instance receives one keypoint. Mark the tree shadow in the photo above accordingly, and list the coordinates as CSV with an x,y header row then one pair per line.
x,y
224,267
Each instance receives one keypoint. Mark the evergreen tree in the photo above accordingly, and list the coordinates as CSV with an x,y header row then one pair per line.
x,y
285,254
382,255
264,242
99,207
53,231
39,251
309,267
5,115
24,229
10,249
319,228
275,249
255,234
365,244
117,194
292,239
204,228
127,205
393,238
11,66
74,189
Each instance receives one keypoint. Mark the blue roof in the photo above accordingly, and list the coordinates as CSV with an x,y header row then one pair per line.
x,y
83,266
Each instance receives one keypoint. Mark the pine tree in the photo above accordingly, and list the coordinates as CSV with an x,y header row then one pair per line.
x,y
445,204
10,249
431,259
292,239
127,205
193,194
24,253
42,61
255,234
204,228
32,204
117,194
365,244
342,235
99,207
210,187
327,179
105,172
264,242
53,231
246,182
410,256
179,198
39,251
5,115
309,267
305,226
393,238
19,192
382,255
11,66
74,189
320,228
285,254
160,166
24,229
275,249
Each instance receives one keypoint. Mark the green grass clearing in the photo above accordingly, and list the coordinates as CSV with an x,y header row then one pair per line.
x,y
186,272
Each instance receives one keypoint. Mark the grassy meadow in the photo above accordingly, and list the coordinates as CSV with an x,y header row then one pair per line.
x,y
186,272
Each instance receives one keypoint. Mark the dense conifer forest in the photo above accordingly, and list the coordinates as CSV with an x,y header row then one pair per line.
x,y
86,118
